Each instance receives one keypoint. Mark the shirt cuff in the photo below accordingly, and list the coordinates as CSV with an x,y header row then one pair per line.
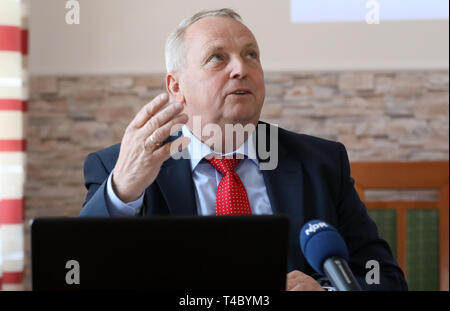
x,y
115,205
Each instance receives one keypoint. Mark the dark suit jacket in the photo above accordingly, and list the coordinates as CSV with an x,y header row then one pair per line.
x,y
312,181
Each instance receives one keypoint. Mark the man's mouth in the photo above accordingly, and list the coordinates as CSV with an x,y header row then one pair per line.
x,y
240,92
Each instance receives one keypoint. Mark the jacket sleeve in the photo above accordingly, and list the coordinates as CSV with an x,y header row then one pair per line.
x,y
361,236
95,178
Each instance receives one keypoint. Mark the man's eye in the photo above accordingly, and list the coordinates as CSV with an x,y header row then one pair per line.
x,y
252,55
215,58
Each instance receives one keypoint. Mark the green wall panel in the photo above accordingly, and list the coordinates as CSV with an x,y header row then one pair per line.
x,y
422,250
386,221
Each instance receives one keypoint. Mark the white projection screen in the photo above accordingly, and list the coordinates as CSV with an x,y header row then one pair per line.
x,y
322,11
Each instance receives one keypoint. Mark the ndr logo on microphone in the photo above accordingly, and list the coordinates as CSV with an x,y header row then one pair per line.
x,y
312,228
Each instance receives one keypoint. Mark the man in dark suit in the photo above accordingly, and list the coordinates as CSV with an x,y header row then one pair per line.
x,y
214,73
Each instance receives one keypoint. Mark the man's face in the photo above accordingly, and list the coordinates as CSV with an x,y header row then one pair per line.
x,y
223,81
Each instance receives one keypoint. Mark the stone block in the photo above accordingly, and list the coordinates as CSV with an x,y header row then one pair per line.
x,y
152,82
93,134
272,110
408,84
84,87
372,128
438,81
284,78
330,80
408,131
323,92
43,85
299,91
356,81
121,82
118,108
274,90
399,107
384,85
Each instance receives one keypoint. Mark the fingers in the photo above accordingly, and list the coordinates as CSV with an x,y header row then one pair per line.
x,y
168,149
291,279
163,132
149,110
161,118
299,281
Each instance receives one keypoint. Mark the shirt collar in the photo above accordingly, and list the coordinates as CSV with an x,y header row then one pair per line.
x,y
198,150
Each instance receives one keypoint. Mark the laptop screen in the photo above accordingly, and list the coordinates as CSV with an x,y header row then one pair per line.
x,y
139,253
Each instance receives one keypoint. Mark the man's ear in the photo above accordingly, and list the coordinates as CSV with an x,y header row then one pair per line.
x,y
173,87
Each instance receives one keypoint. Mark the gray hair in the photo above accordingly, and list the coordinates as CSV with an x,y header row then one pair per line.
x,y
175,49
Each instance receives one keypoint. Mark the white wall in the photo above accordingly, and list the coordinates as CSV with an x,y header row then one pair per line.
x,y
127,36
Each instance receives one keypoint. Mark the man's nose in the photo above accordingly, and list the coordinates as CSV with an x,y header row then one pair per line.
x,y
238,68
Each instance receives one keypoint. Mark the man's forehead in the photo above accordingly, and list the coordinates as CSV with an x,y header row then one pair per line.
x,y
214,31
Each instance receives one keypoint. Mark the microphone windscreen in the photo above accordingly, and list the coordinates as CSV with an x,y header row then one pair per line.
x,y
320,241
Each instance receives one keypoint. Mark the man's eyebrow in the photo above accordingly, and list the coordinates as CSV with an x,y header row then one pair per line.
x,y
213,47
251,44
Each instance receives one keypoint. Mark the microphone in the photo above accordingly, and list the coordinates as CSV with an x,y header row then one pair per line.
x,y
326,251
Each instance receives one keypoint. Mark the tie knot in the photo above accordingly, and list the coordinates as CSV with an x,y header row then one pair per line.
x,y
224,165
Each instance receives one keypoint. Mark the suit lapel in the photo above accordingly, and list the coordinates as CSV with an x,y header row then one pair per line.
x,y
177,186
284,183
285,188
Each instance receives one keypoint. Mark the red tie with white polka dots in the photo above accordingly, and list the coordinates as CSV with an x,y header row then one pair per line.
x,y
231,197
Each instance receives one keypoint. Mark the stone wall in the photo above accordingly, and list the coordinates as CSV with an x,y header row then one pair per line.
x,y
379,116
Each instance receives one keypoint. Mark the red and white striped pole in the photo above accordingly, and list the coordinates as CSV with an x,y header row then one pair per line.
x,y
13,105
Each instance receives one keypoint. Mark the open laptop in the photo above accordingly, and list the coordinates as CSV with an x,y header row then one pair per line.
x,y
141,253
